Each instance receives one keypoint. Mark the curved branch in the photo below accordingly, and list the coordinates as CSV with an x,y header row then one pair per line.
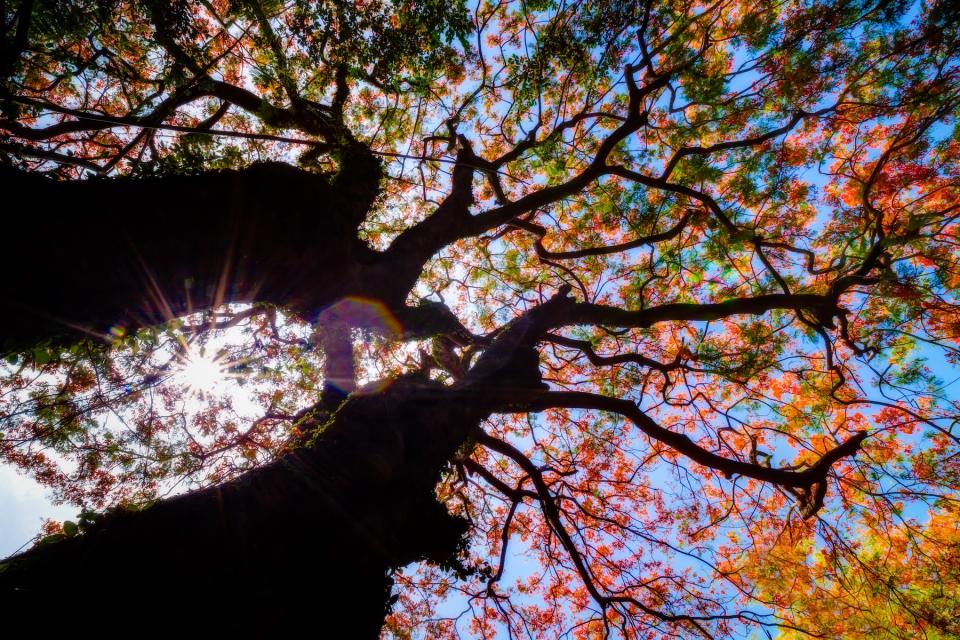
x,y
417,244
634,120
823,306
9,54
684,445
623,358
546,254
680,154
552,514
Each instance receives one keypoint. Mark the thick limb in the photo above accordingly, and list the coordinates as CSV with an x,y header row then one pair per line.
x,y
309,537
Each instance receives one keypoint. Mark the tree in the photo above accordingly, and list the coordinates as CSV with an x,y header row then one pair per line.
x,y
641,290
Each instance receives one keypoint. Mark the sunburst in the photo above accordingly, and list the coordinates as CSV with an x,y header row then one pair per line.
x,y
201,372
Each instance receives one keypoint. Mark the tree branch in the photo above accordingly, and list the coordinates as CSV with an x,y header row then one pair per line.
x,y
546,254
684,445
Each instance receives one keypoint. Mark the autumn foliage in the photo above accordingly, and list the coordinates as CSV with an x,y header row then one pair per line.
x,y
726,234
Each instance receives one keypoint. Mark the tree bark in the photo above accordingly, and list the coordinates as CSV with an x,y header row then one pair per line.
x,y
310,537
89,256
305,541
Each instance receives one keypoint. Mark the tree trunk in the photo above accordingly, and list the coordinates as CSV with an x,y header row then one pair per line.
x,y
103,257
90,256
309,539
304,542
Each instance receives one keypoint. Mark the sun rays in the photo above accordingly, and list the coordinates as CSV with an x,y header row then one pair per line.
x,y
200,372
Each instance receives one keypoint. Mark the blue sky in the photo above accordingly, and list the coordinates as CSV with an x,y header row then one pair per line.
x,y
24,505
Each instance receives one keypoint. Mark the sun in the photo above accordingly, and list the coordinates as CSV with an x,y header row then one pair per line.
x,y
201,372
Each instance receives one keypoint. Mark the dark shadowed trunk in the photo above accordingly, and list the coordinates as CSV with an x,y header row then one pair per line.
x,y
123,253
103,256
309,539
305,541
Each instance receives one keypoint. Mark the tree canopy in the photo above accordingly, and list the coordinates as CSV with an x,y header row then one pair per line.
x,y
659,300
